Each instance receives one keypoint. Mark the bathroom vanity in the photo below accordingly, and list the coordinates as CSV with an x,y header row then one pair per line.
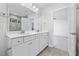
x,y
29,43
26,44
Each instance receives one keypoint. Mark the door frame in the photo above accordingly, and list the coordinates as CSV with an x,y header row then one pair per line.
x,y
72,30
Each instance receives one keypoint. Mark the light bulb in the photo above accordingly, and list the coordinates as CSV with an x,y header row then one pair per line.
x,y
24,4
36,9
34,6
30,4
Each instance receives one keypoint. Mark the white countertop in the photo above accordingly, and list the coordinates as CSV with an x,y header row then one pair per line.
x,y
15,35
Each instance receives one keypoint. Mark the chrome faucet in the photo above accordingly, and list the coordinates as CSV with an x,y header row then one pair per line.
x,y
22,31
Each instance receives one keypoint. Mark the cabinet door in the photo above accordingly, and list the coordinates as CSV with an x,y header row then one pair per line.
x,y
33,47
20,50
45,37
43,41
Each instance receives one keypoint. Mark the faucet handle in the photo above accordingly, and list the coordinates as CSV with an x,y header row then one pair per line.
x,y
22,31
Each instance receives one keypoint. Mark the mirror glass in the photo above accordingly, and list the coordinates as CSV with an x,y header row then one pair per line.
x,y
20,17
14,23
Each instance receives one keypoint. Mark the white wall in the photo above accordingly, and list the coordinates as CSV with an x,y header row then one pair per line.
x,y
3,29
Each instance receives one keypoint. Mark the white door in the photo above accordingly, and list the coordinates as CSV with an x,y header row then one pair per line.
x,y
60,18
72,30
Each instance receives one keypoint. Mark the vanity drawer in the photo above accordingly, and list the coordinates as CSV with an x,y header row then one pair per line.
x,y
17,41
27,38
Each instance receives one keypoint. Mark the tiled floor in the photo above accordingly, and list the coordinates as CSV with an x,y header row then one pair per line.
x,y
53,52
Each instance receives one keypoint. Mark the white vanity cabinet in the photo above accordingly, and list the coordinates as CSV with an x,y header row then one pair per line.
x,y
43,40
29,45
27,49
33,44
13,43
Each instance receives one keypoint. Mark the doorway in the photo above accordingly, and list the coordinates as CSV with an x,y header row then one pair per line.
x,y
60,17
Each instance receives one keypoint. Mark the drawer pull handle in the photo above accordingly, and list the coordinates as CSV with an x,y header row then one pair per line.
x,y
30,43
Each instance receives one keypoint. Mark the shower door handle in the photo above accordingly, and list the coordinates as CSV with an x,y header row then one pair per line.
x,y
73,33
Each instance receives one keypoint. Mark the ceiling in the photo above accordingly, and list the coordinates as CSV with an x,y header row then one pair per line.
x,y
43,5
46,5
17,8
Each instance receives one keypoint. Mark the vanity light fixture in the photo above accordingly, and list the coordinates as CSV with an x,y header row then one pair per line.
x,y
30,6
26,5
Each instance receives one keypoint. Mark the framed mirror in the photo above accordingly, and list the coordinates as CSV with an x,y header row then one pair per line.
x,y
14,23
